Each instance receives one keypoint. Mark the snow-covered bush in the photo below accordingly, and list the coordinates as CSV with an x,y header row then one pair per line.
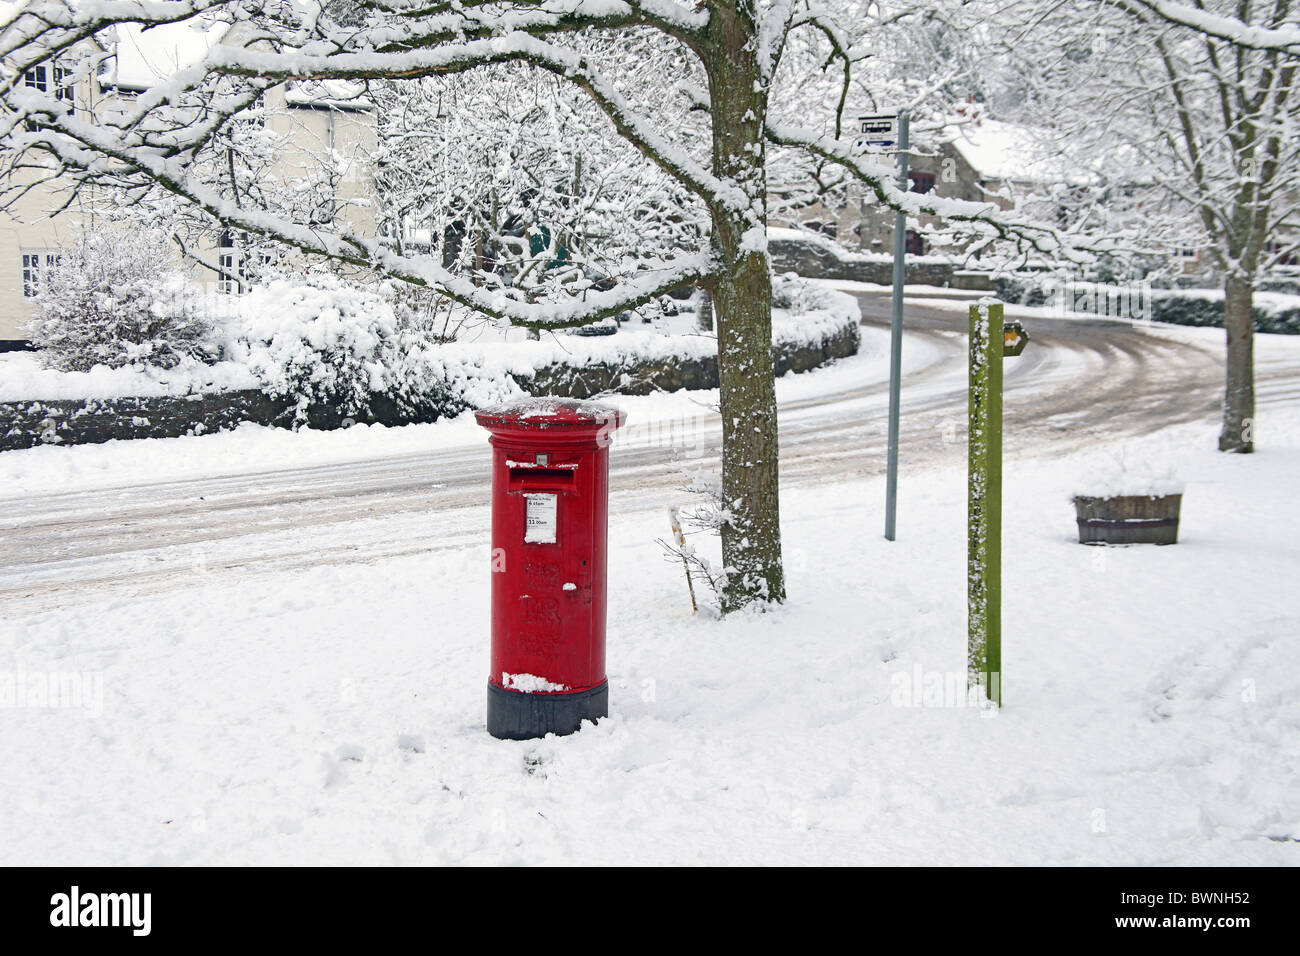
x,y
795,294
317,340
116,299
1274,312
1021,290
701,523
320,340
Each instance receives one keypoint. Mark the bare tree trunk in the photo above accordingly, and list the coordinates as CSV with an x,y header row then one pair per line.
x,y
742,300
1239,396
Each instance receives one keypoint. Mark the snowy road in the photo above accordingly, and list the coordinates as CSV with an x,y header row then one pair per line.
x,y
1078,382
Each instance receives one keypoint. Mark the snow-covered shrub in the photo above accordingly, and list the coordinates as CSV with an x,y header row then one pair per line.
x,y
792,293
701,524
430,315
1274,312
322,341
1280,284
812,304
1023,290
1187,310
317,340
115,298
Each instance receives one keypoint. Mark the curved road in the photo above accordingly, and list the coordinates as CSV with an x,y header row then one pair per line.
x,y
1078,381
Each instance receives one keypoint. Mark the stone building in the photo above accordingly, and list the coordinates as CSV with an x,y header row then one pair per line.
x,y
981,160
987,160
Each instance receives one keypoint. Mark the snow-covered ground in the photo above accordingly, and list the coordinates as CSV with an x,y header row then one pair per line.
x,y
333,713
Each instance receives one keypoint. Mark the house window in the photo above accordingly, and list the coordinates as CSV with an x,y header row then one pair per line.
x,y
228,261
913,244
46,78
62,83
921,182
34,264
235,276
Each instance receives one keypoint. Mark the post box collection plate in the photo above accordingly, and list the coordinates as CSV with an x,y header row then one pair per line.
x,y
539,517
550,481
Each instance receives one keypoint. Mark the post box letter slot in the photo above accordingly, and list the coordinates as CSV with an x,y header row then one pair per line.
x,y
547,476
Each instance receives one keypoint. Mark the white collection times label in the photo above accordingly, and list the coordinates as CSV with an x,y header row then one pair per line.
x,y
539,518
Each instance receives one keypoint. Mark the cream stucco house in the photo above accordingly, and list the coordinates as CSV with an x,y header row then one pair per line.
x,y
315,127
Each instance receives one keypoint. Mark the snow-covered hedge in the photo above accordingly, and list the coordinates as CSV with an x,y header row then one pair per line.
x,y
324,341
331,350
114,299
1274,311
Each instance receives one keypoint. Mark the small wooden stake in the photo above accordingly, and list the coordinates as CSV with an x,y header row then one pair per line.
x,y
675,517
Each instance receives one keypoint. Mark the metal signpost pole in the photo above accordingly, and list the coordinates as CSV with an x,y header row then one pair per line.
x,y
896,334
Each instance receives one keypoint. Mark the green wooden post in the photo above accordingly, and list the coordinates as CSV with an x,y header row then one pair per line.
x,y
984,531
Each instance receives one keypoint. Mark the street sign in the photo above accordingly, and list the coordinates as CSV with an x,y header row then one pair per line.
x,y
878,131
1014,338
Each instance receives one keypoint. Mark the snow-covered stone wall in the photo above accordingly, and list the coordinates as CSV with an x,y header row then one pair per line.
x,y
39,408
816,258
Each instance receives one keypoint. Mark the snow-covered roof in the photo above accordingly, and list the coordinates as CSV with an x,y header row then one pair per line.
x,y
332,94
143,57
1009,152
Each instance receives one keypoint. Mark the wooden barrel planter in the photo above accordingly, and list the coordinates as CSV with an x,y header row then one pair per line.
x,y
1128,519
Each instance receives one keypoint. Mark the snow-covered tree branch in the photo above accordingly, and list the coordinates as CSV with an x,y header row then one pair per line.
x,y
1279,35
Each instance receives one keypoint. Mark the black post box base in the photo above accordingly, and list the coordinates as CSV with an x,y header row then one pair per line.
x,y
514,715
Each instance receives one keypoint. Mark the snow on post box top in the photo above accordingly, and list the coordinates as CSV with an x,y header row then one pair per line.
x,y
551,414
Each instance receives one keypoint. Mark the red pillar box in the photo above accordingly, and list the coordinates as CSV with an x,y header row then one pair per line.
x,y
550,505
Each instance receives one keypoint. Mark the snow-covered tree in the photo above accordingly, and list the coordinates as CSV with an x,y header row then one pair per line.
x,y
515,180
715,59
1201,107
925,56
115,298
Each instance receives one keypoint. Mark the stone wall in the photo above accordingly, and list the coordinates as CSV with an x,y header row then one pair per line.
x,y
816,260
31,423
